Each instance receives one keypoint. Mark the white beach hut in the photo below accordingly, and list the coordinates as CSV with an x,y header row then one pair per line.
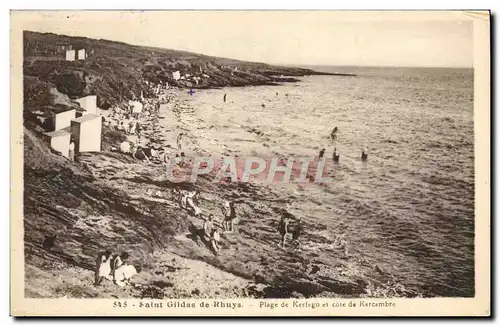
x,y
82,54
88,103
87,131
176,75
59,141
70,55
63,119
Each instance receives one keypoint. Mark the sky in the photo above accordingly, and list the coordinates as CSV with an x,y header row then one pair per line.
x,y
429,39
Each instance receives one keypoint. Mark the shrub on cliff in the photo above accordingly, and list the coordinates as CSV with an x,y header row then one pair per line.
x,y
70,84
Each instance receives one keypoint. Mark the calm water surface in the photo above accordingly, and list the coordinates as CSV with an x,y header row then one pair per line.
x,y
410,208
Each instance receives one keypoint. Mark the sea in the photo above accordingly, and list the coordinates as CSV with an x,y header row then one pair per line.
x,y
410,207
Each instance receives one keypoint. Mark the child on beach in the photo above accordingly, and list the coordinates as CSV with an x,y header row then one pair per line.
x,y
124,273
103,268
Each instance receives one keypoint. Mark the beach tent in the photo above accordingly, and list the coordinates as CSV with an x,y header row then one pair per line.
x,y
87,131
88,103
59,141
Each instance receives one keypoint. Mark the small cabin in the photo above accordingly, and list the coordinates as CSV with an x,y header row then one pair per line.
x,y
63,119
59,141
88,103
87,131
82,54
58,118
70,55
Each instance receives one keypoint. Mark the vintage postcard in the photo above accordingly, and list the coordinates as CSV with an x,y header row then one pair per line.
x,y
250,163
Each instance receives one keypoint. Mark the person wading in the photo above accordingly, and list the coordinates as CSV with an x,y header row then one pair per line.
x,y
335,156
364,155
321,153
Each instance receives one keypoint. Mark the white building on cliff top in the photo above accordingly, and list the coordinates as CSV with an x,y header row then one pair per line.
x,y
82,54
70,55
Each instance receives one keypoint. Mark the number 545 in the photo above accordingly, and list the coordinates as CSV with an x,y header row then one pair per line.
x,y
119,304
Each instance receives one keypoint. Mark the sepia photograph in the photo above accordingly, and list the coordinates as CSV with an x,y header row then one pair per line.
x,y
176,159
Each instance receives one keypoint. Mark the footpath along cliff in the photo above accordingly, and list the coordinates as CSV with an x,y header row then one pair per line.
x,y
110,200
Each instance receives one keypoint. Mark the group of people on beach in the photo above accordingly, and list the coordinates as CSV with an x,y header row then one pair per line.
x,y
114,268
212,228
290,228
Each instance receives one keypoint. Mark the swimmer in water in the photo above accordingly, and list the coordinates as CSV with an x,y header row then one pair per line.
x,y
364,155
335,156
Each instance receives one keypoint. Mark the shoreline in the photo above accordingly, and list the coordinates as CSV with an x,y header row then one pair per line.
x,y
141,196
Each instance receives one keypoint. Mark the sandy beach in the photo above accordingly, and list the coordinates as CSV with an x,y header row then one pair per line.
x,y
126,204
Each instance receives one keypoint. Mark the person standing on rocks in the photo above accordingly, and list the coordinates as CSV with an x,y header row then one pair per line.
x,y
297,231
283,229
138,127
72,150
215,238
229,213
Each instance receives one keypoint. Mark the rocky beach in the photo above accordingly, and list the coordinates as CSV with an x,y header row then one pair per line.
x,y
122,200
110,200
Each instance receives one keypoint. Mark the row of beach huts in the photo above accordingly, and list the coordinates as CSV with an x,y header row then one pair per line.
x,y
68,127
83,128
